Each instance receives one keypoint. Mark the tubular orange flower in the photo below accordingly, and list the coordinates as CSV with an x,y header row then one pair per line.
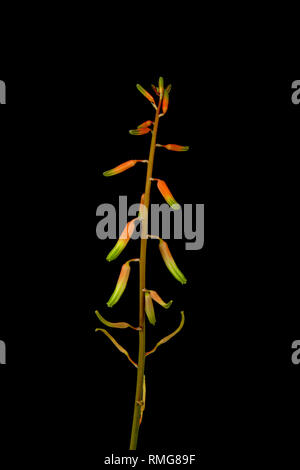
x,y
140,131
174,147
155,89
123,167
166,193
161,87
145,93
170,263
149,309
158,299
123,240
165,102
145,124
121,284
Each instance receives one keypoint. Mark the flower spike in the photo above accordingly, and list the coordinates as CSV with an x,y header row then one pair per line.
x,y
123,167
170,263
174,147
121,284
166,193
149,309
140,131
158,299
123,240
145,93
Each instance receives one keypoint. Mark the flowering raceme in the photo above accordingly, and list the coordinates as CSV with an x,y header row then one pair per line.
x,y
147,297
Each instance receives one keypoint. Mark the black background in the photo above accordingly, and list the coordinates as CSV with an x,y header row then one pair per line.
x,y
226,382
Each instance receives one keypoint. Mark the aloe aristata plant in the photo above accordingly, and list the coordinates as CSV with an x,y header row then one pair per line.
x,y
146,295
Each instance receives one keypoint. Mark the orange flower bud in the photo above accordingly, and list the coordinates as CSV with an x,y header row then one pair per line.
x,y
122,242
140,131
155,89
174,147
121,284
161,87
145,93
123,167
170,263
165,102
158,299
166,193
145,124
149,309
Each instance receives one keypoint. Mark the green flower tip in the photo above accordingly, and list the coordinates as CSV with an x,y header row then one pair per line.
x,y
183,280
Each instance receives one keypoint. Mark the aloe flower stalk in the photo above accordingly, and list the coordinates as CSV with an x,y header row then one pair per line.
x,y
166,193
146,296
170,263
149,308
123,240
123,167
121,284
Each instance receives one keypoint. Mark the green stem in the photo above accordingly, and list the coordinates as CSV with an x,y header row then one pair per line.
x,y
143,252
